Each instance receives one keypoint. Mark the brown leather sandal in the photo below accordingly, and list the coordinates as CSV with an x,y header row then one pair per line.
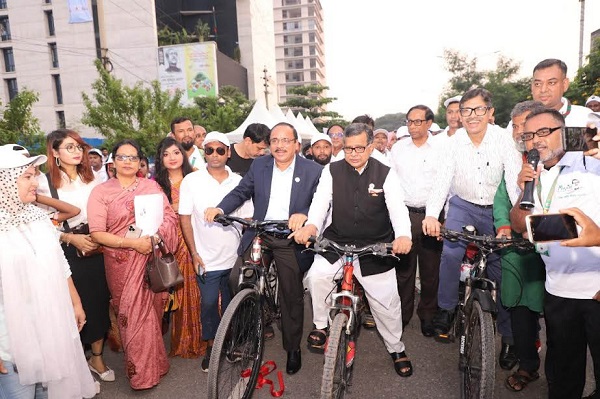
x,y
519,380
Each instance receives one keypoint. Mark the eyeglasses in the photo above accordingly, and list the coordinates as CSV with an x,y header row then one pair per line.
x,y
72,147
416,122
284,141
219,150
543,132
338,135
130,158
359,150
479,111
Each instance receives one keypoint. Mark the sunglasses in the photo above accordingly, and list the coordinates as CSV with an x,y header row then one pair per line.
x,y
219,150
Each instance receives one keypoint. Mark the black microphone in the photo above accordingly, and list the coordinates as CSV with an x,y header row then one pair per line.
x,y
533,157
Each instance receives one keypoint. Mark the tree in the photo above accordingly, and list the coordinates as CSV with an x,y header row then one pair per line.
x,y
168,36
309,100
18,125
391,121
225,113
587,80
140,112
507,90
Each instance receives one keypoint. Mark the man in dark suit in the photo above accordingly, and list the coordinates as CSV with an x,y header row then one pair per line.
x,y
281,185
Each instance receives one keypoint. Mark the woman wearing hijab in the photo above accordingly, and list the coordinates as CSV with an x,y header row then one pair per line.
x,y
40,311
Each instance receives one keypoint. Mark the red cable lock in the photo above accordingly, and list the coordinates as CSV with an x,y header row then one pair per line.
x,y
267,368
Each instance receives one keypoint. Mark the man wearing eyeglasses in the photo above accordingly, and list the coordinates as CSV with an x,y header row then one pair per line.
x,y
213,247
572,315
367,206
472,164
416,163
336,134
281,186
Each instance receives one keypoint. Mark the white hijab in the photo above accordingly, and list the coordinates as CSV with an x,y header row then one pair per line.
x,y
43,336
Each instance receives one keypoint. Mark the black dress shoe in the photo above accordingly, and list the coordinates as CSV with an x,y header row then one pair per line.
x,y
294,362
427,328
508,358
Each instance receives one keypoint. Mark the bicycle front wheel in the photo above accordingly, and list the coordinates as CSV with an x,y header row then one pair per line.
x,y
478,374
238,348
335,376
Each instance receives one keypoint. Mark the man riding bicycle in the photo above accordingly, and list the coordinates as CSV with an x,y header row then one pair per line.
x,y
366,207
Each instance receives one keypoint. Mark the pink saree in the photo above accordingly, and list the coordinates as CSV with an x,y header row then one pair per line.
x,y
139,310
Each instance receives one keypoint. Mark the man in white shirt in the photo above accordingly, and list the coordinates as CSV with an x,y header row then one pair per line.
x,y
452,118
336,134
96,162
472,164
415,162
380,142
213,247
571,308
367,207
321,147
182,130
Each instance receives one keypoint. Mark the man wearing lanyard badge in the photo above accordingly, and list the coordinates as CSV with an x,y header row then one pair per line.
x,y
565,180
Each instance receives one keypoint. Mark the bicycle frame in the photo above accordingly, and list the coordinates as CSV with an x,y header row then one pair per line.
x,y
346,300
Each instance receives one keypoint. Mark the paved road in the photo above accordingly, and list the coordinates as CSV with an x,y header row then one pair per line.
x,y
435,376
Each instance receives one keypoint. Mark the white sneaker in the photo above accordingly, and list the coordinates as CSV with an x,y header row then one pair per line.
x,y
107,376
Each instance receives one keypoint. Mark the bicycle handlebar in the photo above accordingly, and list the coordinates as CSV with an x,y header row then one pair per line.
x,y
323,245
227,220
489,243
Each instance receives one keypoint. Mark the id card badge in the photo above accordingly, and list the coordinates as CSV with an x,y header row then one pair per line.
x,y
542,248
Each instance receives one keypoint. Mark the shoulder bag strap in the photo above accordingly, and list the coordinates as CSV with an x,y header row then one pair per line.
x,y
54,194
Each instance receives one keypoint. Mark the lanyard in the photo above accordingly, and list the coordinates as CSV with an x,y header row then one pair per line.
x,y
568,111
546,204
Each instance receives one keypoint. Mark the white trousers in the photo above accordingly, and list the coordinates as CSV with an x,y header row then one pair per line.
x,y
381,290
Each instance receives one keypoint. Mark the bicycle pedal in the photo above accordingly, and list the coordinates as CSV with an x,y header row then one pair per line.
x,y
444,338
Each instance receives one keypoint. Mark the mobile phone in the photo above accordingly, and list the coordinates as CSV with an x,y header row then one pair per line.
x,y
133,232
579,139
551,227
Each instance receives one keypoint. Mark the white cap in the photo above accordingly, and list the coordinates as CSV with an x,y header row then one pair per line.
x,y
402,132
435,127
96,151
13,156
592,98
594,117
216,137
318,137
109,159
455,99
378,131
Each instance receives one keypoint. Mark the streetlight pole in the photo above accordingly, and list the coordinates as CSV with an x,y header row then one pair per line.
x,y
266,85
581,23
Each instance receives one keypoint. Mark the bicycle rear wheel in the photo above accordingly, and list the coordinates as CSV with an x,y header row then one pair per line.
x,y
272,308
238,348
477,377
335,372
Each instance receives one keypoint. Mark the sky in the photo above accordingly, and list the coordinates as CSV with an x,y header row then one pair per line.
x,y
384,56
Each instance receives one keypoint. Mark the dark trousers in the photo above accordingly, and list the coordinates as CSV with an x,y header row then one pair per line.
x,y
571,326
427,251
291,290
525,327
214,283
462,213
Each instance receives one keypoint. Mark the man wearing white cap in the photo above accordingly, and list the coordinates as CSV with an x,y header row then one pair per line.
x,y
593,103
452,118
321,148
213,247
96,162
380,141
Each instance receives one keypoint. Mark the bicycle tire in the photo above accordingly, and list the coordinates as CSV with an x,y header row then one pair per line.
x,y
477,378
237,348
334,380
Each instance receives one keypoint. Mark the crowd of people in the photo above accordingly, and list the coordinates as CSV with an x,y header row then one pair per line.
x,y
73,268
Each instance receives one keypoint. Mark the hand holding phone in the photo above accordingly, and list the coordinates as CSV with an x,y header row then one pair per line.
x,y
133,232
551,227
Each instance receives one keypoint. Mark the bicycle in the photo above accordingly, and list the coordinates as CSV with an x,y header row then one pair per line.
x,y
344,317
475,314
239,342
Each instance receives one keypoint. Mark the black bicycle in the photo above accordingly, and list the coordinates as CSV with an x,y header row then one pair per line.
x,y
344,317
239,342
476,312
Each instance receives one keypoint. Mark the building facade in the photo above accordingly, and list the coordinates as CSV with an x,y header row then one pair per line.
x,y
50,46
299,44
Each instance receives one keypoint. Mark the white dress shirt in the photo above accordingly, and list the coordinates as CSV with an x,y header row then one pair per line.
x,y
196,159
416,168
474,172
394,200
281,191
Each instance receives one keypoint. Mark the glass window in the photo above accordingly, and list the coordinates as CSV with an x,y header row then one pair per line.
x,y
13,89
293,52
290,2
294,77
4,28
313,62
50,20
312,24
2,4
312,50
311,37
57,89
53,55
294,13
311,11
313,75
9,59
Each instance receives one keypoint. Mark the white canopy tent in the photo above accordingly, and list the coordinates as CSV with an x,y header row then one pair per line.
x,y
259,114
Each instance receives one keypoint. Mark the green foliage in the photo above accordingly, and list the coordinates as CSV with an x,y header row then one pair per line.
x,y
141,113
18,125
225,113
390,121
168,36
507,90
309,100
587,80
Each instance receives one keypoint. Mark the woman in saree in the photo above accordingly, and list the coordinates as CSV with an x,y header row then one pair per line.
x,y
172,166
139,310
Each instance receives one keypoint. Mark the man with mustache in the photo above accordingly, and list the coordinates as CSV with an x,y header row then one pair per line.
x,y
182,130
321,148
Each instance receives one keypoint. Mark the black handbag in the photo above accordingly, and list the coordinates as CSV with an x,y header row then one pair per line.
x,y
162,270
